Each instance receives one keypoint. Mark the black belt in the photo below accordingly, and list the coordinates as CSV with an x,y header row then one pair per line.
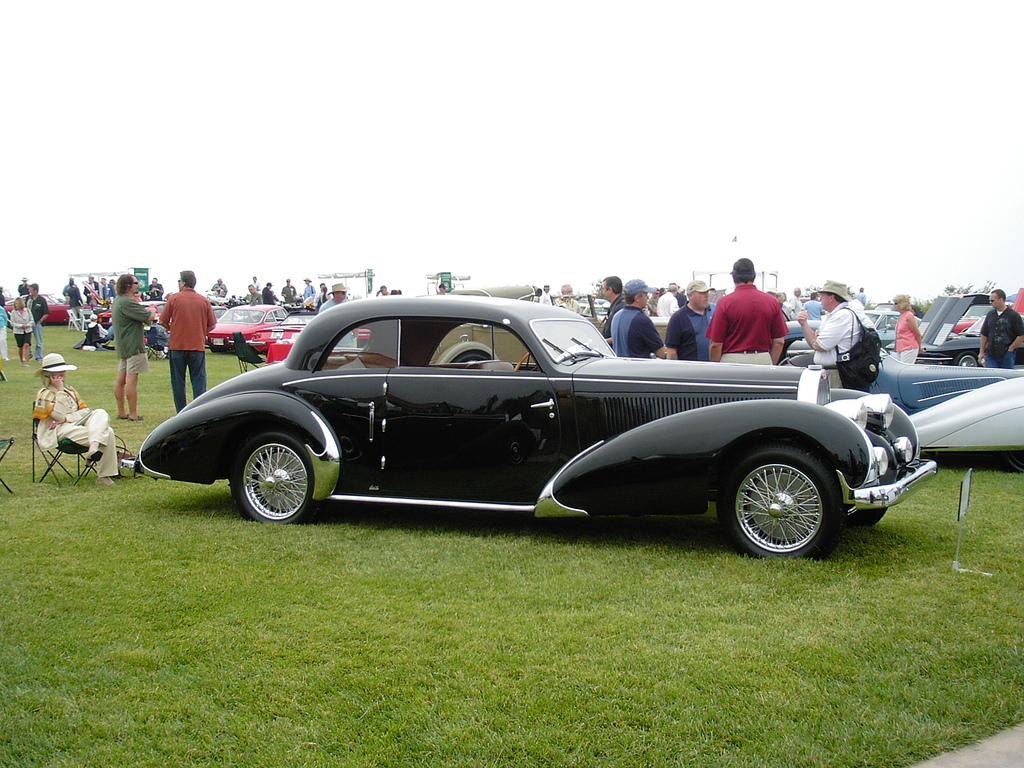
x,y
748,352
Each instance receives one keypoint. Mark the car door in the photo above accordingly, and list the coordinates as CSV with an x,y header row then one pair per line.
x,y
462,423
349,390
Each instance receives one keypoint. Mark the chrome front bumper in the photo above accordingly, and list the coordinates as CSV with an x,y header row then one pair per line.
x,y
881,496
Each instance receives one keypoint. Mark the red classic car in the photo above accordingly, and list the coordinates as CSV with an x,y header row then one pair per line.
x,y
103,318
58,308
281,338
253,322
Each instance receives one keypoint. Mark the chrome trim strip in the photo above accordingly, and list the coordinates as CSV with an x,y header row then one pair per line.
x,y
973,448
151,472
327,464
809,388
547,505
881,496
432,503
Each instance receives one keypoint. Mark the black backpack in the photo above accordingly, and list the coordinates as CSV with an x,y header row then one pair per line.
x,y
859,366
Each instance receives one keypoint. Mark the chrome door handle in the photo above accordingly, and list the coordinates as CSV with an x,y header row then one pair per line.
x,y
373,408
548,404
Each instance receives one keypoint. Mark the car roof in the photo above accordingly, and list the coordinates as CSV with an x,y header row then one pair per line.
x,y
469,308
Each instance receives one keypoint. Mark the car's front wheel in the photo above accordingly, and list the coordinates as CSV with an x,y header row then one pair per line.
x,y
782,501
866,517
272,480
966,359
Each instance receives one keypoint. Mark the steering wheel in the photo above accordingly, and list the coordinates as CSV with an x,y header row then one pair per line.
x,y
522,361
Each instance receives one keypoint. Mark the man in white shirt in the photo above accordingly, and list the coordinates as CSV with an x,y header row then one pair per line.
x,y
545,296
796,303
668,304
838,331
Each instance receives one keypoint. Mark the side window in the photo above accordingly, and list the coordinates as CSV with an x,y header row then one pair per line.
x,y
452,344
369,345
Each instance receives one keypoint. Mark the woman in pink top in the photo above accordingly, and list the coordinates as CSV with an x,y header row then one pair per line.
x,y
908,334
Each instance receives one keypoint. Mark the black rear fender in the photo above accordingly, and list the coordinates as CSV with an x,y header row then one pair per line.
x,y
221,426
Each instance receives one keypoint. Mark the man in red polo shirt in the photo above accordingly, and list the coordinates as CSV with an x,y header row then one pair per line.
x,y
748,326
188,317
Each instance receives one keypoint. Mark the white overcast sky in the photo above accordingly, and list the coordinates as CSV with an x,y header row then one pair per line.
x,y
877,143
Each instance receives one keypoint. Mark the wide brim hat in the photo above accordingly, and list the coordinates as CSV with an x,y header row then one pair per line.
x,y
54,362
842,290
339,287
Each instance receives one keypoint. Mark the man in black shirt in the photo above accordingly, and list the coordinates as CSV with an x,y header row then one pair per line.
x,y
1001,333
40,311
612,288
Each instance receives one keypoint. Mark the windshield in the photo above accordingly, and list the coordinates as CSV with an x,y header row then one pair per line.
x,y
242,316
569,340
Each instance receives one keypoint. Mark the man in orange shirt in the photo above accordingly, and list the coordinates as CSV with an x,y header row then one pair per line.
x,y
188,317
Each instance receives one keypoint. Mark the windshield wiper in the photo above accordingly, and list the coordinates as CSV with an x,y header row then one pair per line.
x,y
577,352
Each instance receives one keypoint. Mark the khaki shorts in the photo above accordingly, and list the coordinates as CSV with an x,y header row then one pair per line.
x,y
748,358
135,364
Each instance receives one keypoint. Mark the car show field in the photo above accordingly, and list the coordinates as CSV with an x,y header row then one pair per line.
x,y
351,632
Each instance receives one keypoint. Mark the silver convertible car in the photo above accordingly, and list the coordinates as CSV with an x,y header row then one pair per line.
x,y
497,404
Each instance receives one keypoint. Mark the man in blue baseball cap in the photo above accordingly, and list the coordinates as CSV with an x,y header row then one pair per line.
x,y
633,333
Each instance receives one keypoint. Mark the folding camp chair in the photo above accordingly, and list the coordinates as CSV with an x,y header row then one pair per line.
x,y
5,446
247,356
53,458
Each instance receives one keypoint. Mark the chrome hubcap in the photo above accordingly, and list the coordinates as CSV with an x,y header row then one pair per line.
x,y
275,481
778,507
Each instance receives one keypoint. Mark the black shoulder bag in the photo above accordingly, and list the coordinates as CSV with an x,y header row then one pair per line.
x,y
858,367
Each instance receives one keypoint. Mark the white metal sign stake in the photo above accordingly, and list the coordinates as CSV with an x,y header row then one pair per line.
x,y
965,502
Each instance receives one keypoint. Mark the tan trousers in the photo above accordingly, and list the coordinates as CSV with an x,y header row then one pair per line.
x,y
757,358
96,427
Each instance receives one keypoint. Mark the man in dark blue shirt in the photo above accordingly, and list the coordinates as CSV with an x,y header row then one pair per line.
x,y
633,333
697,312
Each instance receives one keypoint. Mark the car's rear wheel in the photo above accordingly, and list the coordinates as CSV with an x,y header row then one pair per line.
x,y
966,359
472,356
781,501
272,480
1015,460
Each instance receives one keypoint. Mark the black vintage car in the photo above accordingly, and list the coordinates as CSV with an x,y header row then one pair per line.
x,y
499,404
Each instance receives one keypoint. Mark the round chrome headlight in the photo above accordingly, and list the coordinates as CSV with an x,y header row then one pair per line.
x,y
881,405
881,460
904,449
855,410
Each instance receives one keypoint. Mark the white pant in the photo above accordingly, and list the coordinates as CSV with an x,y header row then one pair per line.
x,y
95,429
3,343
908,356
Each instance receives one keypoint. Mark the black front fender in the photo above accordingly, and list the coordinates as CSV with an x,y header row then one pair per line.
x,y
670,466
198,445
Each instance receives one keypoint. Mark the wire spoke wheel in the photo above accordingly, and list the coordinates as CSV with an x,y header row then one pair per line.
x,y
779,507
272,481
780,501
275,481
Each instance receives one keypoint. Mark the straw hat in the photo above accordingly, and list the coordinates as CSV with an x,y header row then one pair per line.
x,y
54,362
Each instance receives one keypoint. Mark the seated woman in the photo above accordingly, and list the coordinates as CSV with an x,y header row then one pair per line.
x,y
63,414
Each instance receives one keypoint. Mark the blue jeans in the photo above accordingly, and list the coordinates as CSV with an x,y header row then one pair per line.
x,y
195,362
37,333
1006,361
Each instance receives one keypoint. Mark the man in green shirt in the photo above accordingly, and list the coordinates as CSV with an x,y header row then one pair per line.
x,y
129,318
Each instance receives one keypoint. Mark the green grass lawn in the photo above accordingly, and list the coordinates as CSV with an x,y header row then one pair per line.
x,y
149,625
